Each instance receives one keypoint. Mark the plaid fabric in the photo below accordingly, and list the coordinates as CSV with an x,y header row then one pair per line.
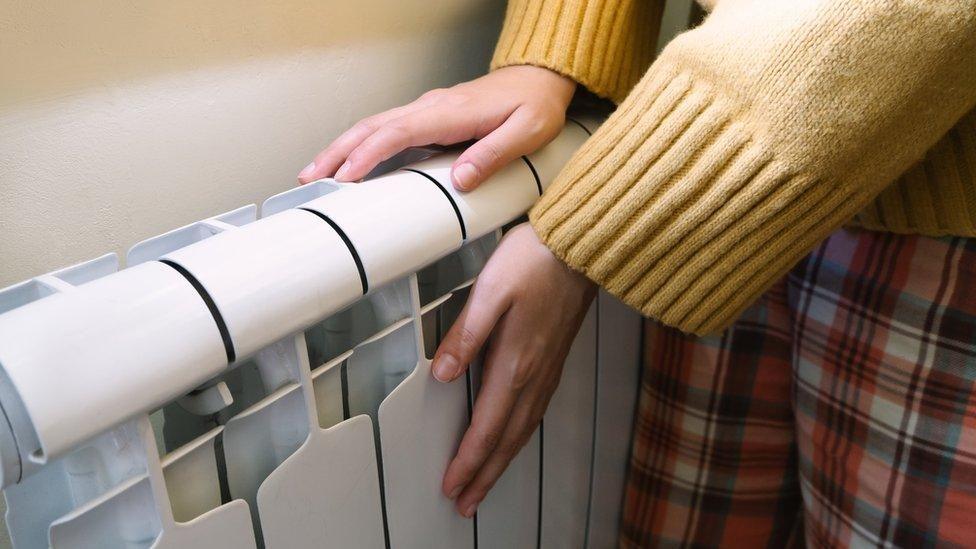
x,y
838,411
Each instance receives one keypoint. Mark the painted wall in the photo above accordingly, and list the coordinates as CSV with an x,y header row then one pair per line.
x,y
120,120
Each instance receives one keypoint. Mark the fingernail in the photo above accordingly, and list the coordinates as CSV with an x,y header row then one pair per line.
x,y
445,367
341,173
455,493
464,176
307,171
469,512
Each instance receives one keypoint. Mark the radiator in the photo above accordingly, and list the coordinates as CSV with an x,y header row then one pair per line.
x,y
264,381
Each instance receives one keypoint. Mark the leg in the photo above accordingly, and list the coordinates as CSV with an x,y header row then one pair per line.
x,y
714,458
885,367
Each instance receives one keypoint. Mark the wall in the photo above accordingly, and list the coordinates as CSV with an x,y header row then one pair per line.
x,y
120,120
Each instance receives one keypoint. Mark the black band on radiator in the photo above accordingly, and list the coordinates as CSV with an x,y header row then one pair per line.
x,y
457,211
211,306
345,239
580,124
535,174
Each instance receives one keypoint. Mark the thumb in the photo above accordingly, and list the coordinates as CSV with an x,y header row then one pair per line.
x,y
522,133
463,342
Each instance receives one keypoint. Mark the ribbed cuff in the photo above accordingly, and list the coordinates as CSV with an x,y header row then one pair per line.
x,y
681,209
605,45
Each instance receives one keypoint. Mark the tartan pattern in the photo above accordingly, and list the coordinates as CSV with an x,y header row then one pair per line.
x,y
838,411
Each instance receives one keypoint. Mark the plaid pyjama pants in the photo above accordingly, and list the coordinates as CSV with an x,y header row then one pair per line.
x,y
838,411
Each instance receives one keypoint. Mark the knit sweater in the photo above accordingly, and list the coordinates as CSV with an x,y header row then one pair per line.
x,y
750,139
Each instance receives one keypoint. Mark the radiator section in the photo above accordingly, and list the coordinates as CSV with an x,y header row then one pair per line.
x,y
264,380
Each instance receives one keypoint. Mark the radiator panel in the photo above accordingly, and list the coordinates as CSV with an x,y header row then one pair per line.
x,y
509,515
327,493
567,444
618,377
420,424
327,428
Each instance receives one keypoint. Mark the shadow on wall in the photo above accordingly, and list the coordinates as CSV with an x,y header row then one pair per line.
x,y
54,49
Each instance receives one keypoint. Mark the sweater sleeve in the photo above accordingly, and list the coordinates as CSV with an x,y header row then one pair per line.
x,y
752,138
605,45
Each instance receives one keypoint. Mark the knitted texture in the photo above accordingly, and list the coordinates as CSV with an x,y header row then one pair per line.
x,y
606,45
753,137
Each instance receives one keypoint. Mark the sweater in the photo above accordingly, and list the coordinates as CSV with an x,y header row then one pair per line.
x,y
750,139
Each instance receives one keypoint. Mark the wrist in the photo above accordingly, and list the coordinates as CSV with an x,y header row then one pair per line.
x,y
553,85
566,273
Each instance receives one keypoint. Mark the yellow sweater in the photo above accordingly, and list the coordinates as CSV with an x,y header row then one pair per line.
x,y
751,138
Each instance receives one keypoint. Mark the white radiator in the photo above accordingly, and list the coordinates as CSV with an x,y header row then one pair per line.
x,y
287,358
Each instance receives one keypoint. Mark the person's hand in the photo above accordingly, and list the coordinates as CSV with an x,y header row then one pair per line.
x,y
527,305
511,111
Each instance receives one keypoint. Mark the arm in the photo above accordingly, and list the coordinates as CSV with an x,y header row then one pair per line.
x,y
749,140
605,46
546,48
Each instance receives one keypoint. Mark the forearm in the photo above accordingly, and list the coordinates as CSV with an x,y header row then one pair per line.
x,y
604,45
749,140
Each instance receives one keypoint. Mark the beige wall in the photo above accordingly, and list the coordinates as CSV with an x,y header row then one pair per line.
x,y
120,120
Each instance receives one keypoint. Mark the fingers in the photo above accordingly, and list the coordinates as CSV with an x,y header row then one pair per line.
x,y
327,162
515,376
516,109
522,424
489,421
522,133
503,137
464,340
441,125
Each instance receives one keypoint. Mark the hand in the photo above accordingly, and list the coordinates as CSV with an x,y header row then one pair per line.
x,y
528,306
511,111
